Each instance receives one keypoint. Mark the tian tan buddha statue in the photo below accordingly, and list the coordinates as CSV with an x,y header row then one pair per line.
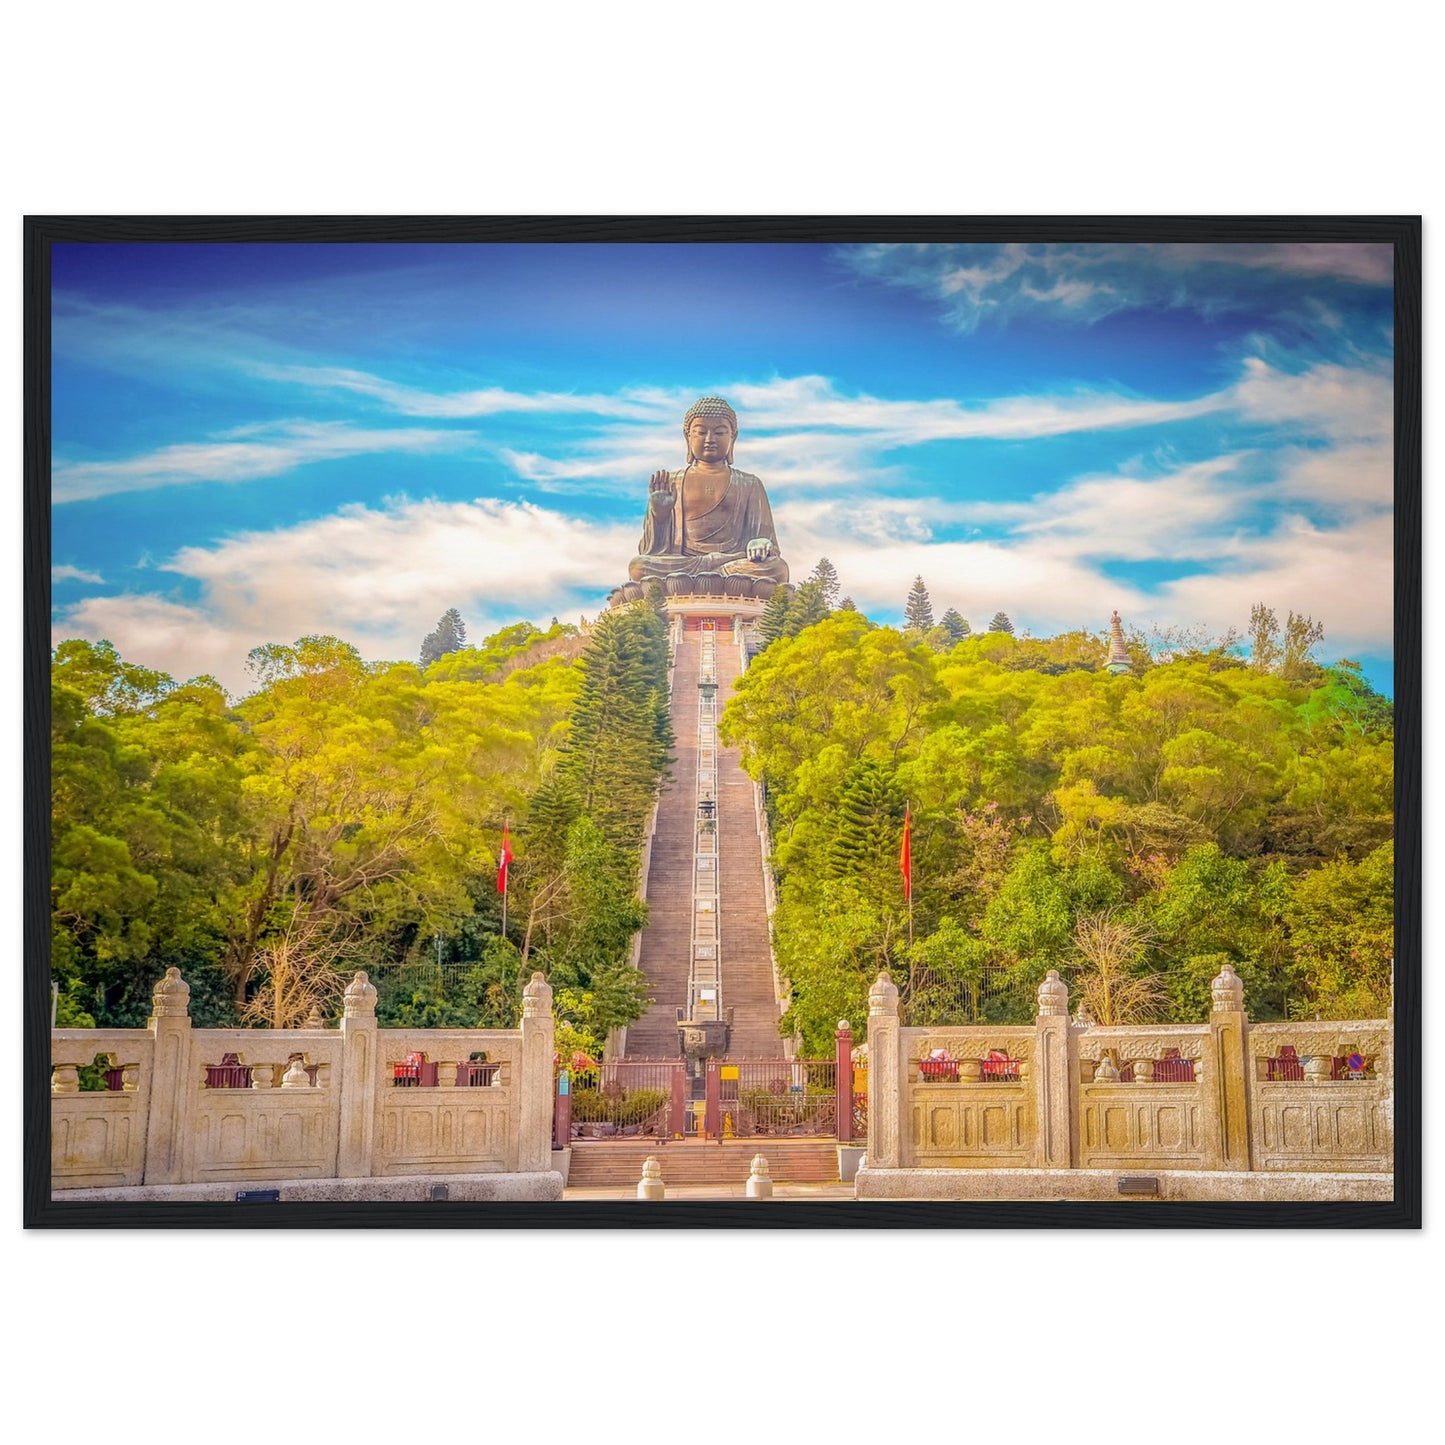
x,y
708,528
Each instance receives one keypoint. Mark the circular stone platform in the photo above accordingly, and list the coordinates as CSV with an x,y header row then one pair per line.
x,y
711,594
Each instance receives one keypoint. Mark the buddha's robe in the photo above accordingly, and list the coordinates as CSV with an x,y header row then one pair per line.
x,y
683,542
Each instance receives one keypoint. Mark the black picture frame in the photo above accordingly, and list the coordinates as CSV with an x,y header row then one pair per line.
x,y
1403,233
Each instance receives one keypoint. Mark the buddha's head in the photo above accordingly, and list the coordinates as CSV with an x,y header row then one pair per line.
x,y
711,428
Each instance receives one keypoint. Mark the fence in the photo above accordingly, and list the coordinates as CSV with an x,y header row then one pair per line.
x,y
720,1099
186,1105
1221,1095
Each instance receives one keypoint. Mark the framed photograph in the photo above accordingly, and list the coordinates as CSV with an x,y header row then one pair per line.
x,y
690,722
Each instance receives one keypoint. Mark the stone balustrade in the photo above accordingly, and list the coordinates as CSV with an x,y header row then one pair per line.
x,y
213,1105
1224,1095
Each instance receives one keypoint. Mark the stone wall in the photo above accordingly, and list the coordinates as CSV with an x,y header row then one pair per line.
x,y
312,1103
1225,1095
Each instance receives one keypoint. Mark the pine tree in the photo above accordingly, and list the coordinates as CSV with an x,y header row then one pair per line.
x,y
553,809
866,823
621,738
918,613
774,620
1001,623
806,608
847,605
955,624
450,636
825,574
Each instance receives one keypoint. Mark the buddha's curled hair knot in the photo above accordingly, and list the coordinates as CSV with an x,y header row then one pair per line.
x,y
710,406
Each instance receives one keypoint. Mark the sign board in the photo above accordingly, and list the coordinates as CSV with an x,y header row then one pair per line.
x,y
728,1071
1356,1063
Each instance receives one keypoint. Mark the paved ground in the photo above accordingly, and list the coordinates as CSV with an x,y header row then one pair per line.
x,y
720,1191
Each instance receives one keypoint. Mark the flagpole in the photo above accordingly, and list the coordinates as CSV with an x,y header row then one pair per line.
x,y
908,864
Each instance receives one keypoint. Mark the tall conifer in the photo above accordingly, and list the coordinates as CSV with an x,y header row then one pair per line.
x,y
918,611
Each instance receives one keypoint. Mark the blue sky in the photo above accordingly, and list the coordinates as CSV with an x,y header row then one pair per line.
x,y
252,443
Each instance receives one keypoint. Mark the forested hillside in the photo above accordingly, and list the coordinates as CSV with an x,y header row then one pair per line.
x,y
346,815
1135,832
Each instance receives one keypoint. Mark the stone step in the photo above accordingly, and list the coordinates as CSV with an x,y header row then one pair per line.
x,y
606,1163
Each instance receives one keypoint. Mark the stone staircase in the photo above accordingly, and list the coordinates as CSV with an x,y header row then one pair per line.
x,y
747,970
615,1164
668,936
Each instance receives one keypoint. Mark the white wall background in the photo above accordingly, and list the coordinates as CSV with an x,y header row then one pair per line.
x,y
1053,108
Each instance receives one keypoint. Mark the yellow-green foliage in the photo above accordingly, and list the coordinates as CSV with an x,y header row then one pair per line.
x,y
1223,812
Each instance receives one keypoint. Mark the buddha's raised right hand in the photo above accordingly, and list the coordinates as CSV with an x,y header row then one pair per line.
x,y
662,494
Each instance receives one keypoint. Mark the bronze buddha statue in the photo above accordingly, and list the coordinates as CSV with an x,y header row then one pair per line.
x,y
709,528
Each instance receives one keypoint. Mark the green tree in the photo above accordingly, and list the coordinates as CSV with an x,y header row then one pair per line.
x,y
1001,623
621,736
774,621
807,608
588,953
918,610
867,828
955,624
1341,920
825,574
450,635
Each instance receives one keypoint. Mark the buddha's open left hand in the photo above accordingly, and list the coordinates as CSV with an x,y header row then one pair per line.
x,y
662,493
759,549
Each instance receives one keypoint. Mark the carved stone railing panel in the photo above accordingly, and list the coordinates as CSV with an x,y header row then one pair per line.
x,y
190,1105
1166,1096
1316,1117
98,1138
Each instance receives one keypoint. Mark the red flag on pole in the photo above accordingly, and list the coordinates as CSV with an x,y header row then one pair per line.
x,y
905,857
505,859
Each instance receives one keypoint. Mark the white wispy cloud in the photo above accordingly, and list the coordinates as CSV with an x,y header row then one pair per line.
x,y
1191,513
1340,576
66,573
377,576
1352,477
781,405
238,456
1327,399
1084,283
480,401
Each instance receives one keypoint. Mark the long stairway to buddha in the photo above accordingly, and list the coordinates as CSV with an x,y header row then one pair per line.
x,y
682,854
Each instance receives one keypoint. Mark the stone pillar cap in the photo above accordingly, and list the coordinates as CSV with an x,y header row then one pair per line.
x,y
883,996
171,997
1227,991
537,997
1053,995
360,996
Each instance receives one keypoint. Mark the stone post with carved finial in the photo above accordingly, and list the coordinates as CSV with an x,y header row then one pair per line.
x,y
1052,1072
1226,1096
650,1186
885,1076
359,1078
1118,661
534,1127
167,1128
760,1179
